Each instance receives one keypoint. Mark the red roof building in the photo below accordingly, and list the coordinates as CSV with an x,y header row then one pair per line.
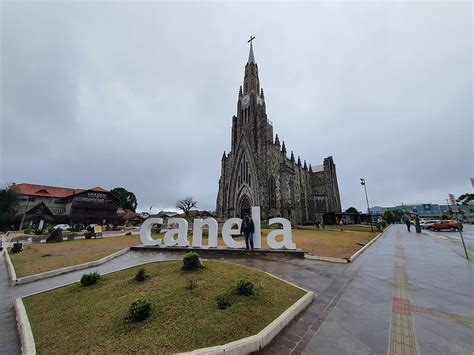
x,y
65,205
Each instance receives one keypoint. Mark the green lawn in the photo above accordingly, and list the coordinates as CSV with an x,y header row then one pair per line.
x,y
77,319
353,228
37,258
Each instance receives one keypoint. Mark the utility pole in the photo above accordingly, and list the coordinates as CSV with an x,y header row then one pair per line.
x,y
362,182
453,207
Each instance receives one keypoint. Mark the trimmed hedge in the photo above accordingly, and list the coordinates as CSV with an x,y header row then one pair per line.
x,y
191,261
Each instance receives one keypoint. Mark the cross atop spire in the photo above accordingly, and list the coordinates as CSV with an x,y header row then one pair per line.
x,y
251,57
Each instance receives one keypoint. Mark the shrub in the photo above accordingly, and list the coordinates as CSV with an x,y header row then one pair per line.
x,y
48,230
191,285
29,230
191,261
308,223
139,310
141,275
16,248
378,226
90,279
55,236
244,287
223,302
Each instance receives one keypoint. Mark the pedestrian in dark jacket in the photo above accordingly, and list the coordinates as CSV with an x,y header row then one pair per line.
x,y
247,229
408,223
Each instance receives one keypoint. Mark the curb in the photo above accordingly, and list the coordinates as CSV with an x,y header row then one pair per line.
x,y
24,329
360,251
327,258
64,270
346,260
11,269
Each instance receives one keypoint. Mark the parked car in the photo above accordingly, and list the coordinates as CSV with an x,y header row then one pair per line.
x,y
447,224
64,227
1,245
426,223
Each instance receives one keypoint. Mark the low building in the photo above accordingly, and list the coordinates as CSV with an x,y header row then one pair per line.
x,y
54,204
426,210
129,217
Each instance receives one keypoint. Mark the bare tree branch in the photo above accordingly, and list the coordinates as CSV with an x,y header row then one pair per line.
x,y
186,204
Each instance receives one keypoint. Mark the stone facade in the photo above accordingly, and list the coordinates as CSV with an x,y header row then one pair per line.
x,y
258,172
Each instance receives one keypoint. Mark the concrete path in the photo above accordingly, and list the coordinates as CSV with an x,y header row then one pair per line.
x,y
9,340
408,293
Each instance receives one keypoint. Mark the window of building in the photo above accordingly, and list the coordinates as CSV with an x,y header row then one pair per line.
x,y
271,192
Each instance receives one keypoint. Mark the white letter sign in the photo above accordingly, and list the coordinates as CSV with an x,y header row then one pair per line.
x,y
287,241
145,231
182,231
228,231
211,223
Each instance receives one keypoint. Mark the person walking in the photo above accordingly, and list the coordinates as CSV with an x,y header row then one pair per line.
x,y
247,229
407,222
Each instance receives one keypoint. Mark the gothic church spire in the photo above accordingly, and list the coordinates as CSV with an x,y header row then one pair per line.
x,y
251,56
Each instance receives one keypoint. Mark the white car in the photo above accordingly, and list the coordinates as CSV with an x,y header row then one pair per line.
x,y
64,227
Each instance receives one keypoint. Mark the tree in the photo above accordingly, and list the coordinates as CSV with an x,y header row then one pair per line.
x,y
397,215
127,199
464,199
186,204
352,210
389,216
7,207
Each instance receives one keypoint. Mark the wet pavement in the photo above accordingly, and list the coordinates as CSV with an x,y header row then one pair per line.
x,y
9,340
408,293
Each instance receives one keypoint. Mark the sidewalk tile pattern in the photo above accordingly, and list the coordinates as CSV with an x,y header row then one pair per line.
x,y
402,334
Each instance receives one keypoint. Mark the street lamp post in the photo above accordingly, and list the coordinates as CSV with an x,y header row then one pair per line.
x,y
362,182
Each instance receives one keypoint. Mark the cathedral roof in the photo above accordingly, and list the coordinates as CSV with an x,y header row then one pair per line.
x,y
251,57
317,168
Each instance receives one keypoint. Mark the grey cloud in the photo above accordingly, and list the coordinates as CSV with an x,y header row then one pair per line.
x,y
141,95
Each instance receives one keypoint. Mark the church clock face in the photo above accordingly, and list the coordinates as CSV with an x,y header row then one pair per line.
x,y
246,100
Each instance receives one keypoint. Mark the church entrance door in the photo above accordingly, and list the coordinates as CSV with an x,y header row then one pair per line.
x,y
244,206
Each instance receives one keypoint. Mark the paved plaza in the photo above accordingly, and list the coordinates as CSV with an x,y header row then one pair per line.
x,y
407,294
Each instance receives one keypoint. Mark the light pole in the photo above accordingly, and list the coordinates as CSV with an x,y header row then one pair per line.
x,y
362,182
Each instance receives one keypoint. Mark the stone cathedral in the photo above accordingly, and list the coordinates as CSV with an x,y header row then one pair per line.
x,y
258,172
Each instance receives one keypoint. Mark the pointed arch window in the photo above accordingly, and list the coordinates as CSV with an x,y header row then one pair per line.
x,y
271,192
244,172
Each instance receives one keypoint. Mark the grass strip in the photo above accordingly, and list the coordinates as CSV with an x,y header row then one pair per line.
x,y
93,319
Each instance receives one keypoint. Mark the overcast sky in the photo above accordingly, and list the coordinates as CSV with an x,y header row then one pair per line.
x,y
141,95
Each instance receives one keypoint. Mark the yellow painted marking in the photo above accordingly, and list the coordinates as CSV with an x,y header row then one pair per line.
x,y
402,335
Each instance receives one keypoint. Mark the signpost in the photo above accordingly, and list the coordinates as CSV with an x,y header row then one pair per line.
x,y
98,231
453,206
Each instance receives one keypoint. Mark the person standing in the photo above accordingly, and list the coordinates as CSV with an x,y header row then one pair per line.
x,y
407,222
247,229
